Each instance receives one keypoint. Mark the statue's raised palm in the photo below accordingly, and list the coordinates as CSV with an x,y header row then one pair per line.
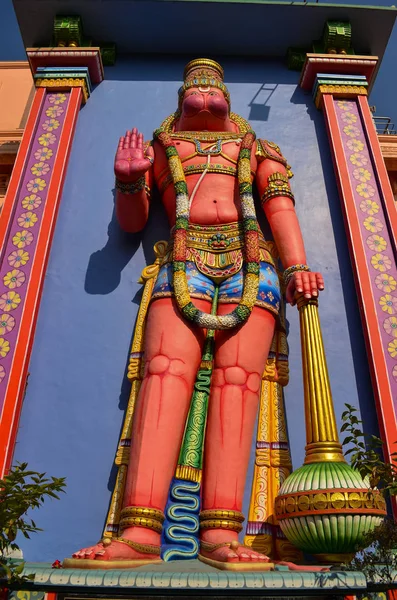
x,y
131,162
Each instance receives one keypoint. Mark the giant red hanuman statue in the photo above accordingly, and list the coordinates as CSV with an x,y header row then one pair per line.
x,y
213,312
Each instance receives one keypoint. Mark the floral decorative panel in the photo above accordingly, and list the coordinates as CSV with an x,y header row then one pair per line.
x,y
374,231
22,241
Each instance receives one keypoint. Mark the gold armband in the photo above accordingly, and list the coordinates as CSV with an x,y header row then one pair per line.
x,y
264,150
277,186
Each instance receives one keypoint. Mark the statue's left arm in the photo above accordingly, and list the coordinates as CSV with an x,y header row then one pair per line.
x,y
272,180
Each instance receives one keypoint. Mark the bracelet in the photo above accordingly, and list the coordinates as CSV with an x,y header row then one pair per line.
x,y
291,270
131,188
278,186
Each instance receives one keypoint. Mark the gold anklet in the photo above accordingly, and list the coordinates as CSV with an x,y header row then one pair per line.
x,y
142,511
221,524
232,515
153,524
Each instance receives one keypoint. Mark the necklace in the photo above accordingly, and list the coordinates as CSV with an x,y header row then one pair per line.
x,y
206,136
213,150
251,238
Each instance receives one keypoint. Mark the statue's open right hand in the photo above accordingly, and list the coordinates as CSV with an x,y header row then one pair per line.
x,y
131,162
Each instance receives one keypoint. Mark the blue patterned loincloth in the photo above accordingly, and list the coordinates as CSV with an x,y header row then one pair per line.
x,y
230,290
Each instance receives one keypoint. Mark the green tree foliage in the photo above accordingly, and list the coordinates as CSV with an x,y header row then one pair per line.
x,y
366,454
21,490
377,556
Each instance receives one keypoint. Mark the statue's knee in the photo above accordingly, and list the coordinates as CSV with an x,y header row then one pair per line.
x,y
158,364
161,364
239,376
253,382
235,375
178,367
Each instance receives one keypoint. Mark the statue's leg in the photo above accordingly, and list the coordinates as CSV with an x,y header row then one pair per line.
x,y
172,357
239,361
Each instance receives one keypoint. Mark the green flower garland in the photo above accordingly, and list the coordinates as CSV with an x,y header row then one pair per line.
x,y
251,238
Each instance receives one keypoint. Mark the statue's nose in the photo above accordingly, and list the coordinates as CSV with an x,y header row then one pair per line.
x,y
194,103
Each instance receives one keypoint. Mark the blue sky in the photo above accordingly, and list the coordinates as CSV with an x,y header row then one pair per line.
x,y
383,96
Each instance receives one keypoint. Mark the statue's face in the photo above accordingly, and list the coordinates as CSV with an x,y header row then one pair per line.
x,y
198,101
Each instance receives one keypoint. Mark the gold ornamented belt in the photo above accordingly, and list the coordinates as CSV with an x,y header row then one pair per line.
x,y
217,250
200,168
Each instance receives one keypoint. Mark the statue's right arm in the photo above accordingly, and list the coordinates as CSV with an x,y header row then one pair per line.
x,y
133,170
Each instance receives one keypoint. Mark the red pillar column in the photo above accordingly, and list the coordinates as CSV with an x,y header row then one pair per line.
x,y
340,85
29,214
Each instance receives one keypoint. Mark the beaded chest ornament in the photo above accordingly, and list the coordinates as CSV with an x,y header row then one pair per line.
x,y
251,238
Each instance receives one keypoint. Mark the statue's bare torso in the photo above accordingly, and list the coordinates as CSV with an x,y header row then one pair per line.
x,y
217,197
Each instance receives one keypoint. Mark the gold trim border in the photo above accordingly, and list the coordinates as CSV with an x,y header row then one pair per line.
x,y
322,501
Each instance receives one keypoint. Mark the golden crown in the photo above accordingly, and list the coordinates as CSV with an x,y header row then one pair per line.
x,y
203,72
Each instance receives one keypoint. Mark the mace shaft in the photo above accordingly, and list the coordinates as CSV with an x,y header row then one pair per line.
x,y
322,440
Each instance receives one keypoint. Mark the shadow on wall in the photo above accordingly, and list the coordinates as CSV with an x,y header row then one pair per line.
x,y
106,265
362,375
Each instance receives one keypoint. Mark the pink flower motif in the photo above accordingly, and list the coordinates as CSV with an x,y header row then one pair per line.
x,y
50,125
14,279
365,190
54,111
388,304
386,283
381,262
22,238
9,301
373,224
389,325
2,373
349,118
28,219
343,104
376,243
358,159
18,258
7,323
369,206
31,201
40,168
43,154
355,145
351,131
395,372
47,139
362,174
36,185
57,98
4,347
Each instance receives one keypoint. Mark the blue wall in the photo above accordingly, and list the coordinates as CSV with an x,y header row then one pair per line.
x,y
77,389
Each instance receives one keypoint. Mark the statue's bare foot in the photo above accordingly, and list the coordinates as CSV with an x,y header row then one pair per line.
x,y
119,552
233,556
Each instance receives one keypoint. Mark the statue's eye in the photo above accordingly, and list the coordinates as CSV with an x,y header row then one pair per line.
x,y
194,94
213,94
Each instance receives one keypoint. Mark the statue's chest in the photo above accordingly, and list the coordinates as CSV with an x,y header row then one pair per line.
x,y
196,155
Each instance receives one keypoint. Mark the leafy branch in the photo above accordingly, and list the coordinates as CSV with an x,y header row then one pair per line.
x,y
377,555
20,491
366,454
